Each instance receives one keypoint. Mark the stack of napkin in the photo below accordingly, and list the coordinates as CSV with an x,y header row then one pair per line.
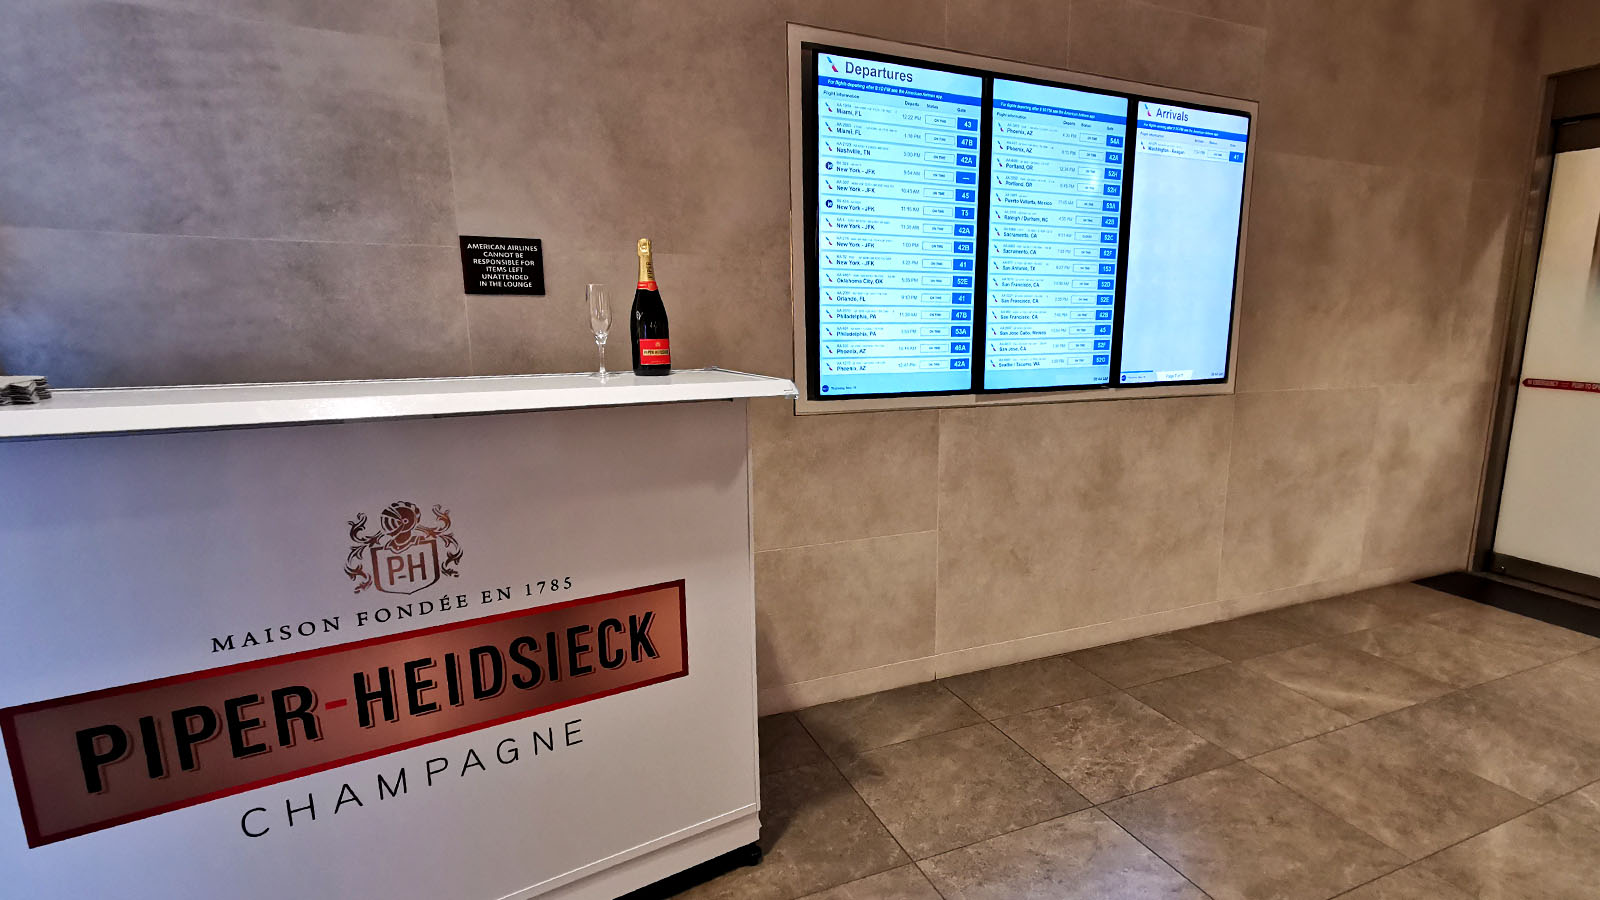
x,y
21,389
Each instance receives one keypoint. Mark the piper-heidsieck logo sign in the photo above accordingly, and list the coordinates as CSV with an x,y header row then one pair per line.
x,y
404,555
104,758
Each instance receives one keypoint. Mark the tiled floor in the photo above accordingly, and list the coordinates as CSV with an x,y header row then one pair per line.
x,y
1397,743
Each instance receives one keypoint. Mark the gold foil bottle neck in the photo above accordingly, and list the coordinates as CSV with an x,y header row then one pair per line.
x,y
647,269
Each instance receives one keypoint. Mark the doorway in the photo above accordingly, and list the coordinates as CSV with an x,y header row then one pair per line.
x,y
1541,521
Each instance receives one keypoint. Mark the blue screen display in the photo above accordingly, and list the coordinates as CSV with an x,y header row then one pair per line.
x,y
897,204
1055,241
974,232
1183,242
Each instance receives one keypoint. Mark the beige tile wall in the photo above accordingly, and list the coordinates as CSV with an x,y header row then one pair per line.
x,y
1570,38
271,189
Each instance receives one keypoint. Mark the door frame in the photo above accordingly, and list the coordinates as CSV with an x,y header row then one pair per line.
x,y
1570,120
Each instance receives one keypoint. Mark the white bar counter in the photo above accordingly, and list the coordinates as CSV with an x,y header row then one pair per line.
x,y
476,638
190,407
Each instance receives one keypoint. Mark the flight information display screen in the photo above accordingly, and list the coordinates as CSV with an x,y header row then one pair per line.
x,y
1055,220
897,206
972,232
1183,243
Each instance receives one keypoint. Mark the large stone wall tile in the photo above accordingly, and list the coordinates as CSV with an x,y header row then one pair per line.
x,y
98,309
1052,517
841,477
1392,83
1299,488
1350,273
1142,42
132,118
841,607
601,121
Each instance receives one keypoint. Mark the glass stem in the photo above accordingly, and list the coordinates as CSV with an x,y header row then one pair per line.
x,y
600,345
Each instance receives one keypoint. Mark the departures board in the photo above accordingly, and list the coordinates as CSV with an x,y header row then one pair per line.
x,y
969,231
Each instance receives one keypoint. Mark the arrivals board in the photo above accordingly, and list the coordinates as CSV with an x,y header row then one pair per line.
x,y
971,232
1184,231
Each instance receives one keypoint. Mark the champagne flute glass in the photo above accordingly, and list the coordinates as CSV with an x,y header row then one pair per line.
x,y
599,321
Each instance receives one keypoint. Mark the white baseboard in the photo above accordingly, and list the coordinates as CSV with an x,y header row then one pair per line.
x,y
800,695
783,698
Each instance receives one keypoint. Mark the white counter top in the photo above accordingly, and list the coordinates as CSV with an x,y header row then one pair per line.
x,y
124,410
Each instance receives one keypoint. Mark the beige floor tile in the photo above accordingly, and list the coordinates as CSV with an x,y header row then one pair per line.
x,y
1323,806
863,723
1239,835
1388,605
1028,685
1113,745
1146,659
1587,663
1410,883
1563,697
1498,743
1357,684
948,790
1395,791
904,883
1080,857
786,745
1442,655
1238,710
1245,637
1408,601
1540,856
816,833
1541,639
1581,806
1334,616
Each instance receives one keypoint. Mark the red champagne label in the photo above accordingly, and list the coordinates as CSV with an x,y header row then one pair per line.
x,y
92,761
653,352
647,285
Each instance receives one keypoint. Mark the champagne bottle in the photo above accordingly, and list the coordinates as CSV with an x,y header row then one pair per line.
x,y
648,324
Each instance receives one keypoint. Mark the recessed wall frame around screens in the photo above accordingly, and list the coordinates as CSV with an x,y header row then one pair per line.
x,y
991,364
